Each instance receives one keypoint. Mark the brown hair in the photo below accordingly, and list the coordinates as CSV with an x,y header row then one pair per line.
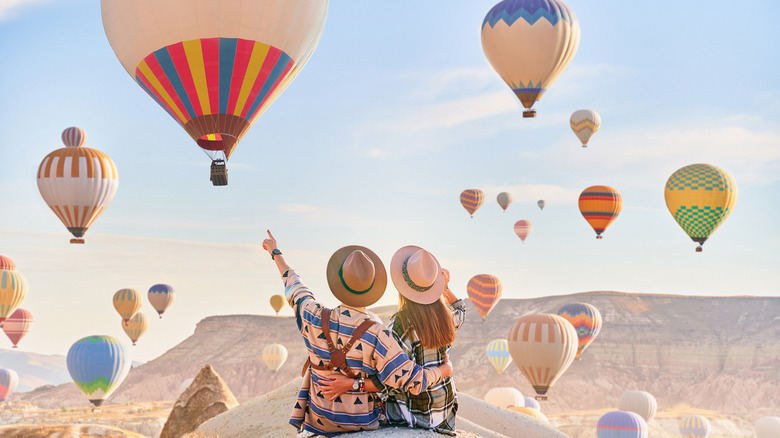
x,y
432,323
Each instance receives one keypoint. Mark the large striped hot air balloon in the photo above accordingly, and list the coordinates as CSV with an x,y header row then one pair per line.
x,y
504,199
621,424
529,43
523,229
768,427
531,412
77,183
98,365
600,206
498,354
161,296
472,199
641,402
586,320
13,288
694,426
585,123
274,356
542,346
484,291
136,327
215,66
18,325
8,381
504,397
127,302
700,197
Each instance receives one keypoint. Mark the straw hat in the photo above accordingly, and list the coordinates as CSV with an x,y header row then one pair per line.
x,y
417,275
356,276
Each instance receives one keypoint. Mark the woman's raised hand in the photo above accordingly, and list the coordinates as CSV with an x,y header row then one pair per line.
x,y
269,244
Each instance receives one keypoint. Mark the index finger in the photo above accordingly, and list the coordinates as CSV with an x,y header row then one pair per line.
x,y
271,236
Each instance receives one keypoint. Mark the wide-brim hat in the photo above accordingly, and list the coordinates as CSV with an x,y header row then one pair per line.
x,y
417,275
356,276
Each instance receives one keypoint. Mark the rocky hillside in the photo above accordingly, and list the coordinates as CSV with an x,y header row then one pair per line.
x,y
719,353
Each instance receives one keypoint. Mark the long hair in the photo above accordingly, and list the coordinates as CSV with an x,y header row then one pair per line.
x,y
432,323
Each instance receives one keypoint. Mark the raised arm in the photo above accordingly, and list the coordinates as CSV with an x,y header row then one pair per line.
x,y
298,296
269,245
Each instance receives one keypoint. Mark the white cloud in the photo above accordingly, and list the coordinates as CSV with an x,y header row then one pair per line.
x,y
10,8
297,208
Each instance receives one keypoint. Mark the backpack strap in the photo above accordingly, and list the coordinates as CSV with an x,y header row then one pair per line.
x,y
338,356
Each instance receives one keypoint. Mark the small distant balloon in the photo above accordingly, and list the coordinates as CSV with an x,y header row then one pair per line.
x,y
18,325
621,424
161,296
136,327
484,291
585,123
586,320
8,381
504,199
98,365
523,229
278,302
127,302
498,354
540,203
505,397
274,356
641,402
13,288
472,199
695,426
600,206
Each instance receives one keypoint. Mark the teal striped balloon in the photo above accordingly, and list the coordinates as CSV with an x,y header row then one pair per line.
x,y
98,365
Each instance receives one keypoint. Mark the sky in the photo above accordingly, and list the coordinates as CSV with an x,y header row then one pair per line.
x,y
395,114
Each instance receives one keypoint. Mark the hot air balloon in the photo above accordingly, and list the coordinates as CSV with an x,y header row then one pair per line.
x,y
542,346
540,203
529,43
585,123
278,302
274,356
498,354
504,199
621,424
523,229
531,402
18,325
586,320
504,397
215,66
531,412
472,199
127,302
600,206
13,288
98,365
161,296
77,183
8,381
641,402
185,384
136,327
484,292
768,427
700,197
695,426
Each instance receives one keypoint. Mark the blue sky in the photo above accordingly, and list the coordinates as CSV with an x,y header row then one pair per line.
x,y
395,114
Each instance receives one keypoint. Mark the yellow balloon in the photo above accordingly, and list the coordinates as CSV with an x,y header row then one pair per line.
x,y
127,303
277,302
136,327
13,288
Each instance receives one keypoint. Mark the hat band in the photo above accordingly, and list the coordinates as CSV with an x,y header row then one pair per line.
x,y
409,281
349,289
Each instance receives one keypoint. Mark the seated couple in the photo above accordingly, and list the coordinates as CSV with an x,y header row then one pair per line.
x,y
355,363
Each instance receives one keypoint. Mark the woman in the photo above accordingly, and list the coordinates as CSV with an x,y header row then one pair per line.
x,y
428,316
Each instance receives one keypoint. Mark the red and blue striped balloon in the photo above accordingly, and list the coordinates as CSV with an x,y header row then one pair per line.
x,y
621,424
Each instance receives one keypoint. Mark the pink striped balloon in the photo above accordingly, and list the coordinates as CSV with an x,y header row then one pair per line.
x,y
523,228
472,199
484,292
18,325
74,137
7,264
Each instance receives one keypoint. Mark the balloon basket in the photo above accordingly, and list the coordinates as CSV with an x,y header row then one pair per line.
x,y
541,397
699,248
599,237
79,241
218,173
584,145
14,346
529,114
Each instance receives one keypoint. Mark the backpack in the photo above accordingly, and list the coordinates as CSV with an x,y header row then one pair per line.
x,y
338,356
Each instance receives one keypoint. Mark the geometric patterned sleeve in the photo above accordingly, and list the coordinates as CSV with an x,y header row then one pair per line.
x,y
395,369
298,295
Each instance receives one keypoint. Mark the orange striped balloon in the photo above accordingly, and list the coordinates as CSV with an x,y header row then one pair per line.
x,y
484,292
127,303
542,346
600,206
18,325
472,199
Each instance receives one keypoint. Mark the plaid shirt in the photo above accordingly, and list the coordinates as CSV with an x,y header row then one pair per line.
x,y
435,407
376,355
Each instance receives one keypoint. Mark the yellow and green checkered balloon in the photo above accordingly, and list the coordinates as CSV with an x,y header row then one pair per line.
x,y
700,197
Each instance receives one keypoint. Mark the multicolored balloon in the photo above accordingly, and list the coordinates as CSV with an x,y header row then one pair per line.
x,y
18,325
531,412
529,43
540,203
621,424
136,327
127,302
278,302
274,356
641,402
600,206
215,66
504,199
585,123
542,346
98,365
8,381
77,183
161,296
523,229
695,426
484,291
531,402
498,354
768,427
472,199
504,397
700,197
13,288
586,320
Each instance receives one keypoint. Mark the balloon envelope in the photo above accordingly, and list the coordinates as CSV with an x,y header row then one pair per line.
x,y
695,426
531,402
504,199
7,264
278,302
585,123
136,327
523,229
531,412
18,325
600,206
484,291
768,427
621,424
472,199
586,320
542,347
127,302
540,203
98,365
161,296
504,397
274,356
498,354
640,402
8,381
700,197
13,289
